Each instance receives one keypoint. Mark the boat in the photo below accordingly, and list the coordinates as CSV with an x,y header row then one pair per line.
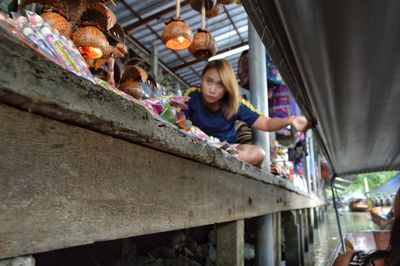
x,y
382,216
359,205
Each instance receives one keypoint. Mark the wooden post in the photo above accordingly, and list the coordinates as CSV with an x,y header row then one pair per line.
x,y
316,218
278,238
301,235
265,240
321,215
230,243
305,230
292,238
310,225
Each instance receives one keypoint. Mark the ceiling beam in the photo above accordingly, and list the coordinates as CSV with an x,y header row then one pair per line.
x,y
152,17
198,60
233,23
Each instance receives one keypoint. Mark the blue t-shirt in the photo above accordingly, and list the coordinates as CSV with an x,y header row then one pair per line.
x,y
213,123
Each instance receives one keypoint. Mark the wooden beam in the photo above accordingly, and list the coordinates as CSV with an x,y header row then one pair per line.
x,y
157,15
293,245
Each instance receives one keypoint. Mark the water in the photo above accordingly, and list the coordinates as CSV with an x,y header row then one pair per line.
x,y
326,237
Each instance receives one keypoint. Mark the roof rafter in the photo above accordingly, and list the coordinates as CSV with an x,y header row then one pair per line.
x,y
198,60
152,17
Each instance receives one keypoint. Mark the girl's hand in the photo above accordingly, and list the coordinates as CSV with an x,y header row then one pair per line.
x,y
300,123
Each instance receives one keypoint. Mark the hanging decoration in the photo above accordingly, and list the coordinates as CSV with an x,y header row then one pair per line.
x,y
203,45
177,35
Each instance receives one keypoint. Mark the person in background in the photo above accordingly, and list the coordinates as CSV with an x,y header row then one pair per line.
x,y
388,257
216,106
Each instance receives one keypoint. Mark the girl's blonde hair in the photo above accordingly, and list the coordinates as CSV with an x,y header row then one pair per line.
x,y
231,100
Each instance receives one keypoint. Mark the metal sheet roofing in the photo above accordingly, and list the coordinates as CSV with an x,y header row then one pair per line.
x,y
143,21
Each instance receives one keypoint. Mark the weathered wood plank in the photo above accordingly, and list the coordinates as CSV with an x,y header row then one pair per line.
x,y
62,185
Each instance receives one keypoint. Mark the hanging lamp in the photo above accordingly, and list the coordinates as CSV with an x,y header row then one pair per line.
x,y
203,45
177,35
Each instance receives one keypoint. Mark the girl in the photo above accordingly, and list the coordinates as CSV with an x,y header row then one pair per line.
x,y
217,105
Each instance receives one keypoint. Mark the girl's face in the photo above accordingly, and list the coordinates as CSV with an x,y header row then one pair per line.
x,y
212,88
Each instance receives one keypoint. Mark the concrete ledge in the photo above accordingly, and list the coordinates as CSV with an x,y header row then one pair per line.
x,y
31,82
79,164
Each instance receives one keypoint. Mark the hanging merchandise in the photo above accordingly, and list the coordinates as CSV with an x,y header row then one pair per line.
x,y
203,45
135,75
281,102
273,75
177,35
243,70
197,4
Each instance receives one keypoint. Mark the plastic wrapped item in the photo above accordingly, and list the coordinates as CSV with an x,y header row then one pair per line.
x,y
42,38
169,109
66,53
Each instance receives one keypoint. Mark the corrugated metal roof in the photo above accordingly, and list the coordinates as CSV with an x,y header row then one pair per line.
x,y
143,21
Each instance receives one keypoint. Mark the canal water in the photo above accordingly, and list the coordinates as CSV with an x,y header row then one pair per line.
x,y
326,236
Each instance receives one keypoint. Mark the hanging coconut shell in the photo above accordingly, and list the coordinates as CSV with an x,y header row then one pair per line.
x,y
100,16
72,10
196,4
56,21
118,50
203,45
131,88
134,73
136,61
177,35
226,2
214,11
90,37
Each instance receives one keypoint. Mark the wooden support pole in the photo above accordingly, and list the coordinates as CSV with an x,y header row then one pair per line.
x,y
301,235
310,225
278,238
230,243
316,217
291,226
322,214
305,230
265,240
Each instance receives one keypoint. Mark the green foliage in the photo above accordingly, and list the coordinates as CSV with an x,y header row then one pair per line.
x,y
374,180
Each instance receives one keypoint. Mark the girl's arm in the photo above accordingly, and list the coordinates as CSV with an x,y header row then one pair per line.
x,y
299,123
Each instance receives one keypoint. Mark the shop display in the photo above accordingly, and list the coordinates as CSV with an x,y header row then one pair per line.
x,y
169,108
79,40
